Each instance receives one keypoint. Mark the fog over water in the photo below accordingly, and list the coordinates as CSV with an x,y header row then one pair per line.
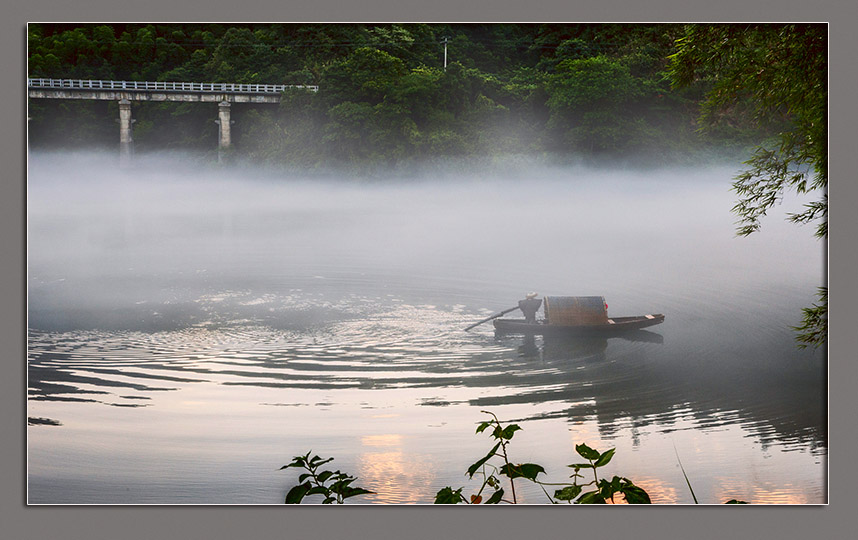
x,y
206,324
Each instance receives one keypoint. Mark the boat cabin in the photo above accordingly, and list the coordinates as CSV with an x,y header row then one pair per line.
x,y
575,310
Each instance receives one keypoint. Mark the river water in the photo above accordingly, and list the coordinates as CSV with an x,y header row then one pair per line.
x,y
191,329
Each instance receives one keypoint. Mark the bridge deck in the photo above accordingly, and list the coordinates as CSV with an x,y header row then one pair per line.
x,y
162,86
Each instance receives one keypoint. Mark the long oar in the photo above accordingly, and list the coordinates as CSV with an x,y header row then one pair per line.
x,y
495,316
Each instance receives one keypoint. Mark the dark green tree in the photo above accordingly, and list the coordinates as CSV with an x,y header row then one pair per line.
x,y
775,75
590,100
367,75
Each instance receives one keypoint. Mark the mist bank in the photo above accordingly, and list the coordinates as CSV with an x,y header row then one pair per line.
x,y
171,244
287,139
509,165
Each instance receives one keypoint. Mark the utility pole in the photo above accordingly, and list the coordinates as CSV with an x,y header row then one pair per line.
x,y
445,52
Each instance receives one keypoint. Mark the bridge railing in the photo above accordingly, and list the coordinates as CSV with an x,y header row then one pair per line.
x,y
79,84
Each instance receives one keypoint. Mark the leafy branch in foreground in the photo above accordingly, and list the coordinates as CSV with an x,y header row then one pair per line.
x,y
490,478
604,491
335,486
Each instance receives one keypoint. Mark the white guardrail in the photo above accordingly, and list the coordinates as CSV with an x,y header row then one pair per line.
x,y
78,84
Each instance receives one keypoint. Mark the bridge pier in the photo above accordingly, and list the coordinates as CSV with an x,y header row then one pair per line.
x,y
223,140
127,91
126,142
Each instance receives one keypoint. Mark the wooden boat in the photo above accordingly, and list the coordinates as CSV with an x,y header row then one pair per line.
x,y
577,315
613,325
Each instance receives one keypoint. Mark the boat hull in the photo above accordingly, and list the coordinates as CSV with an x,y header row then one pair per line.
x,y
615,325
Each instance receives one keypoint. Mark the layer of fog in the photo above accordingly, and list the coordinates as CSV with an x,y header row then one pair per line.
x,y
173,231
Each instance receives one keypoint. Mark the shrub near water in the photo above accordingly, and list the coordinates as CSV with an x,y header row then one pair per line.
x,y
600,490
335,486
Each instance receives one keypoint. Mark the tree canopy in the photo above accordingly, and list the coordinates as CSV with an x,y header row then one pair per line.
x,y
774,76
385,95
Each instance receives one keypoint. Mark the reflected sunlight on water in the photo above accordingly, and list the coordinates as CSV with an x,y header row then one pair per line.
x,y
397,478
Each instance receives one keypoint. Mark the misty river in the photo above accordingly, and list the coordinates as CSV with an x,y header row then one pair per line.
x,y
192,328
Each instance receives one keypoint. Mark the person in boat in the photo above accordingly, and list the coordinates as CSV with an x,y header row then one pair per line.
x,y
529,306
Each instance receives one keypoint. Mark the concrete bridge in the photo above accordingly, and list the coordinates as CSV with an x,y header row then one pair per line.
x,y
126,92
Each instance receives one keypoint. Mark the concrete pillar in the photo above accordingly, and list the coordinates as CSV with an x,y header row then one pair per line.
x,y
126,142
223,140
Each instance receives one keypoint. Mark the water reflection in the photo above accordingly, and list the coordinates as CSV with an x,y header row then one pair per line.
x,y
659,490
397,474
629,381
397,477
627,387
554,348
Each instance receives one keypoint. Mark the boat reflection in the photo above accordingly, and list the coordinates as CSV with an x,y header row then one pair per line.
x,y
559,348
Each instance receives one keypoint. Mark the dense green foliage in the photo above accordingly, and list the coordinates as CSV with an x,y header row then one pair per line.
x,y
385,96
774,76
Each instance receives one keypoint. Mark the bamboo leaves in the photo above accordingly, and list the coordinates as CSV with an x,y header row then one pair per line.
x,y
774,76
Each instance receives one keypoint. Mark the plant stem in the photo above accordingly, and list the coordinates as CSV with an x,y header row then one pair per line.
x,y
506,461
693,496
546,493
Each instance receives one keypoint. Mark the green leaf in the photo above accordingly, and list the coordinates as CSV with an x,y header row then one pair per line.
x,y
317,462
579,466
509,431
340,486
297,493
473,468
607,489
523,470
617,483
496,497
352,491
568,493
591,497
635,495
324,475
604,458
304,477
318,490
297,461
448,495
339,476
586,452
483,426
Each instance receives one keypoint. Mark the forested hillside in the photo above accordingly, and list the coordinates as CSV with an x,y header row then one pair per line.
x,y
384,95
